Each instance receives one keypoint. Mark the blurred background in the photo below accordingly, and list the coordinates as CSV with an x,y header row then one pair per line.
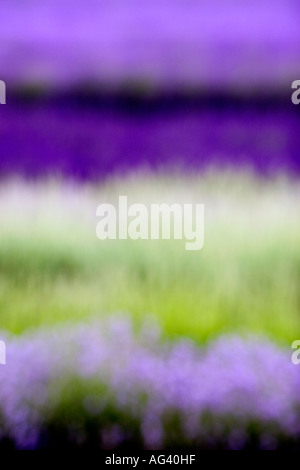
x,y
115,344
148,83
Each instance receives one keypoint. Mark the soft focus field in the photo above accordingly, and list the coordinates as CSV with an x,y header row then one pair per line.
x,y
246,279
140,344
151,44
100,385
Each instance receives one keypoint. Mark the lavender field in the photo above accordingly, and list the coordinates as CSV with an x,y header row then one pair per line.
x,y
240,45
96,143
236,393
140,344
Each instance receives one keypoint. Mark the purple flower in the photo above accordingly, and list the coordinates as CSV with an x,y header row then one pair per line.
x,y
214,394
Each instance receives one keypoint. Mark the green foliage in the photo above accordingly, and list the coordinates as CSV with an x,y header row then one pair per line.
x,y
247,277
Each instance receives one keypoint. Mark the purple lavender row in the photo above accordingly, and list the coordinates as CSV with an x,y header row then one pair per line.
x,y
164,43
88,144
216,395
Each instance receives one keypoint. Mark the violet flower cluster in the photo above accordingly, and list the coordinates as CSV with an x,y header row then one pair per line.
x,y
157,44
135,386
